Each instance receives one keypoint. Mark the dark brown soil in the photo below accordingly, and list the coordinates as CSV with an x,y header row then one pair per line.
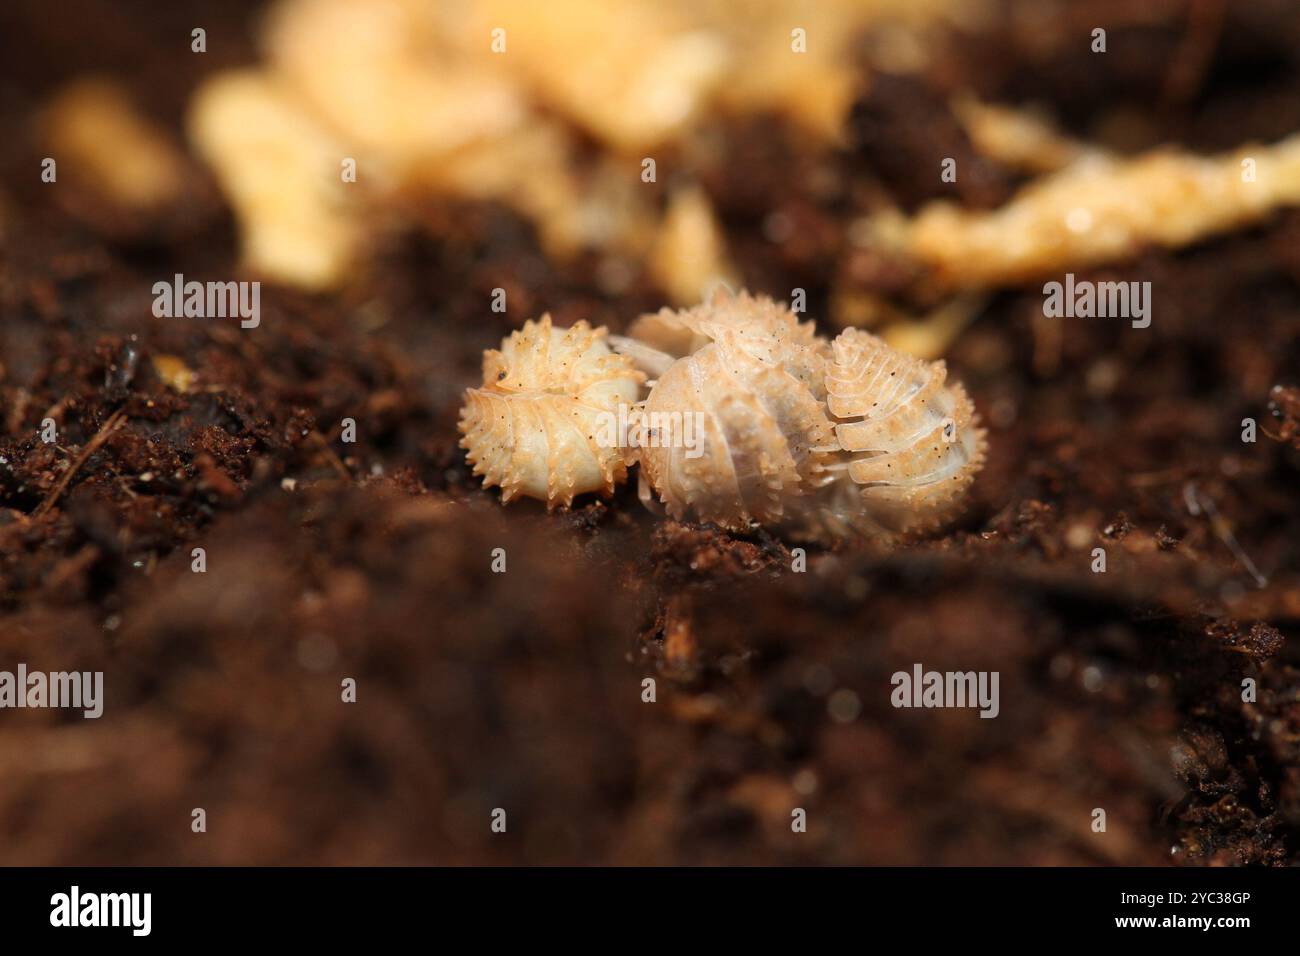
x,y
523,690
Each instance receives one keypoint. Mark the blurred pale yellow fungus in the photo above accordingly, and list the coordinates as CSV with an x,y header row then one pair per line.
x,y
1100,209
857,308
926,337
173,372
387,81
281,171
931,337
493,99
98,138
689,256
634,73
1015,137
801,60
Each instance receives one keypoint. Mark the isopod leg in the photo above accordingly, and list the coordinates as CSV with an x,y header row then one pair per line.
x,y
647,495
649,360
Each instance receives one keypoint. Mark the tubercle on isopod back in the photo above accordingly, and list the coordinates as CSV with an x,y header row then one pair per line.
x,y
760,327
538,425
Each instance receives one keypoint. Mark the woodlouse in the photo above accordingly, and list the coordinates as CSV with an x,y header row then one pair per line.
x,y
909,444
753,375
823,439
532,426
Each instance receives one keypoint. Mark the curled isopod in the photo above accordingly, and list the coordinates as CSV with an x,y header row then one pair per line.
x,y
830,441
736,423
909,443
538,425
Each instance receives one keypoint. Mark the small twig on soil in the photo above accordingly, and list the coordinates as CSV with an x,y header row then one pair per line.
x,y
332,456
92,446
69,568
1198,504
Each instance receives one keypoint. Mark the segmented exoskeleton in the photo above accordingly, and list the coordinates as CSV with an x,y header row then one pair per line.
x,y
535,426
827,440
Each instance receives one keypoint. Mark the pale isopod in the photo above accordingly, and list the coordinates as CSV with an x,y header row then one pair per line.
x,y
852,439
748,390
753,417
909,443
535,426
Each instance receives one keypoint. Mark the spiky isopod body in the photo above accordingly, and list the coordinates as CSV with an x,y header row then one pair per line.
x,y
829,441
765,329
750,375
537,426
909,443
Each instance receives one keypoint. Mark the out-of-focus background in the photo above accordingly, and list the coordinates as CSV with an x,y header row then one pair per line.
x,y
383,168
